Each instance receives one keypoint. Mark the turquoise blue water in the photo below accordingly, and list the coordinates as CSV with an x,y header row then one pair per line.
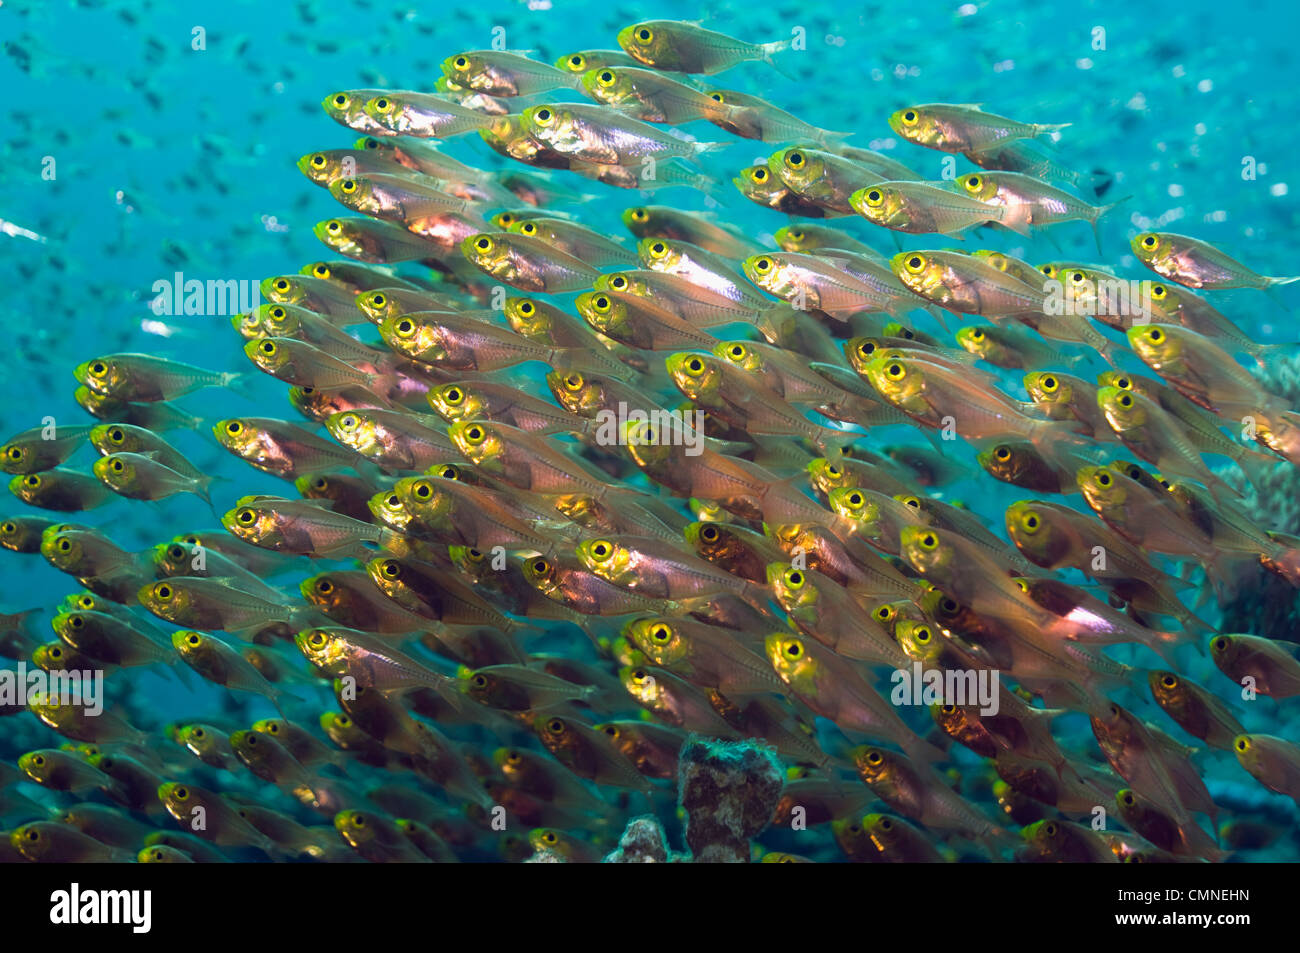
x,y
130,155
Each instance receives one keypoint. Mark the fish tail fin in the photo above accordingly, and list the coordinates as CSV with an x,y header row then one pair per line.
x,y
1163,643
702,148
241,382
1096,215
920,750
770,50
1046,128
1270,286
1256,465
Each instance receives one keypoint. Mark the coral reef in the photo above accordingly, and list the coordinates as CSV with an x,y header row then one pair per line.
x,y
729,792
644,842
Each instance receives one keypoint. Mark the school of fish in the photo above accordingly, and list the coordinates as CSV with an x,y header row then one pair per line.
x,y
531,590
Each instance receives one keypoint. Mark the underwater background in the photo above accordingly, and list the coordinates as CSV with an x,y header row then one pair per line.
x,y
131,156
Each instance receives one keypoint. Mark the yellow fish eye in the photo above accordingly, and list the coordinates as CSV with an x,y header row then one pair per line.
x,y
1103,479
977,334
422,490
895,371
793,578
16,453
541,566
348,186
884,613
640,215
318,161
618,282
404,328
601,303
1030,521
1155,335
460,62
324,586
762,265
661,633
453,394
378,300
1003,452
317,640
866,348
793,649
910,117
268,348
333,226
601,550
1049,384
606,78
796,159
282,284
1170,680
716,97
117,466
475,435
526,307
658,250
1125,400
449,471
392,500
1242,743
645,36
921,634
929,542
528,228
391,568
874,757
737,352
1150,240
973,183
855,500
1159,291
483,243
874,198
505,219
382,104
1078,277
246,517
577,61
573,382
709,533
555,726
758,174
340,100
369,142
34,480
349,423
915,264
98,369
694,366
543,116
1220,644
277,312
